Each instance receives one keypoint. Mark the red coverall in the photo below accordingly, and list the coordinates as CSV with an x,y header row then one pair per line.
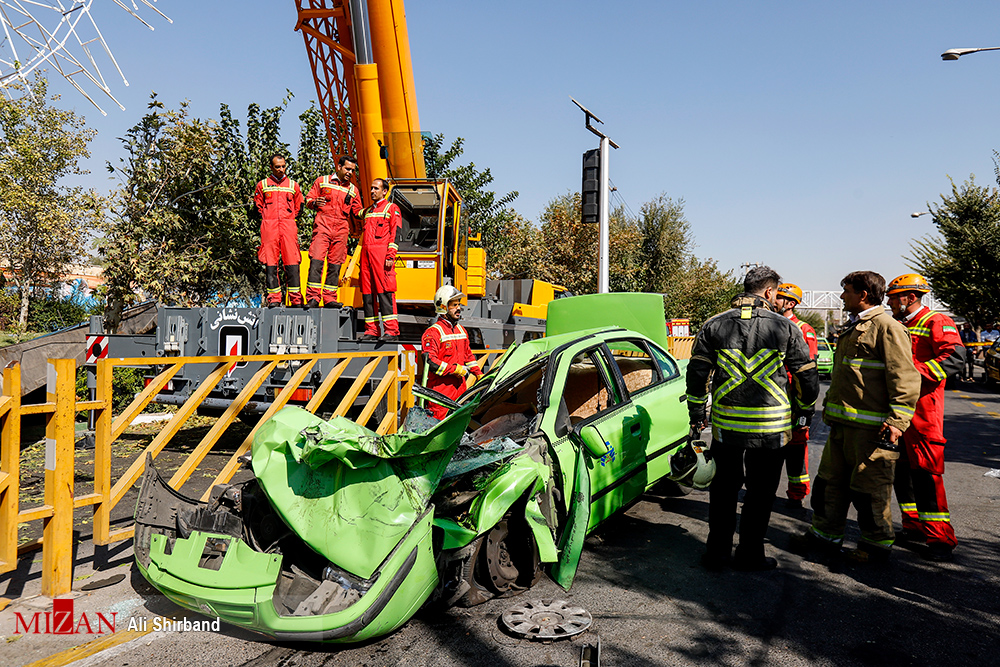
x,y
380,241
449,358
279,205
335,221
919,480
797,450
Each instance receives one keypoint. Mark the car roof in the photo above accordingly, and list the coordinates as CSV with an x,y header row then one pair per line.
x,y
523,354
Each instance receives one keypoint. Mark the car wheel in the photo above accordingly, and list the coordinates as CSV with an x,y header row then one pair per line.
x,y
502,563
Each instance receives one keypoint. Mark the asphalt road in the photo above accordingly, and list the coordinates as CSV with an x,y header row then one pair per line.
x,y
653,604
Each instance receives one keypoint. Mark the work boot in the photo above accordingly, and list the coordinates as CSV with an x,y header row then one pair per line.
x,y
333,304
793,503
312,303
911,537
714,563
803,543
368,338
867,556
937,552
390,339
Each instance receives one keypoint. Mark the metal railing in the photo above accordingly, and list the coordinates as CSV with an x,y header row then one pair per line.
x,y
393,391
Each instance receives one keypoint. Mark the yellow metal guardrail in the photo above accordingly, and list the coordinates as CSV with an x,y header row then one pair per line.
x,y
61,406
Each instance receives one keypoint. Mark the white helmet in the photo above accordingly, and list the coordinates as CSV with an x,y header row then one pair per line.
x,y
692,465
445,295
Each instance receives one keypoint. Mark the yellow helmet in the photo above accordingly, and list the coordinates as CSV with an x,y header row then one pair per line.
x,y
908,282
790,291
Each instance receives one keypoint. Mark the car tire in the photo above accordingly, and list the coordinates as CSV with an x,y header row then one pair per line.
x,y
503,563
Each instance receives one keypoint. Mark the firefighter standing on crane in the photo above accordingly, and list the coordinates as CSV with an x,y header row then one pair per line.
x,y
447,354
279,200
379,244
338,205
919,484
797,450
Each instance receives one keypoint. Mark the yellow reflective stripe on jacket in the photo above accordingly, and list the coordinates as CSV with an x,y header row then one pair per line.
x,y
850,414
919,328
902,409
325,184
277,188
864,363
935,370
697,400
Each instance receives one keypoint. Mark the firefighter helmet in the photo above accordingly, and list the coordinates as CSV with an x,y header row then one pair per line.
x,y
908,282
790,291
445,295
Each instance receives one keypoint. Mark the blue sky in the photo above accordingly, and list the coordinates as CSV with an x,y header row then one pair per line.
x,y
799,134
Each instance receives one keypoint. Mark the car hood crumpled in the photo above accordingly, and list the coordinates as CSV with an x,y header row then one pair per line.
x,y
347,492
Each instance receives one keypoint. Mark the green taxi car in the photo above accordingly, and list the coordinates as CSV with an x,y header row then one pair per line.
x,y
342,534
824,357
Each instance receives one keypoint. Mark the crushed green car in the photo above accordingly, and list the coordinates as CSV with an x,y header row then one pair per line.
x,y
342,534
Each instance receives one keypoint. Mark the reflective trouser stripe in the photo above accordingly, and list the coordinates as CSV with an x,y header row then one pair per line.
x,y
935,516
801,479
836,539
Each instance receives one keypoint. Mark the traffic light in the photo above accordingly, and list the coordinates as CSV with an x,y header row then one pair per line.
x,y
591,190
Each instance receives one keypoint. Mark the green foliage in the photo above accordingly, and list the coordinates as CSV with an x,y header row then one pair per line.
x,y
48,314
43,225
813,318
185,230
651,254
10,306
962,262
125,384
488,214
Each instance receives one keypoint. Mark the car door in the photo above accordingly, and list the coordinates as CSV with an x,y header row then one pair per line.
x,y
652,379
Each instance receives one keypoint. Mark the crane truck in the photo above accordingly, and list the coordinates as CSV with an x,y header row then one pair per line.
x,y
359,54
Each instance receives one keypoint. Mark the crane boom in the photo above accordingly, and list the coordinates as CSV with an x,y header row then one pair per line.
x,y
366,92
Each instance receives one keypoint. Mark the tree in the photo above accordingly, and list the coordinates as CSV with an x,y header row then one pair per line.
x,y
962,262
185,229
45,225
488,214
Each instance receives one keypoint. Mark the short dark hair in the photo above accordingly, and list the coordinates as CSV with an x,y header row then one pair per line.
x,y
343,159
274,155
384,183
866,281
759,278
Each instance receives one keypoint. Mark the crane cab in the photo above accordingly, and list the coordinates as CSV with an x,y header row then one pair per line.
x,y
433,249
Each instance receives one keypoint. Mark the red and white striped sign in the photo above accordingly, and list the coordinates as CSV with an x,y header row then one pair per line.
x,y
97,348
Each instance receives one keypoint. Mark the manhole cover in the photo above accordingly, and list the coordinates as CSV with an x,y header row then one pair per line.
x,y
546,619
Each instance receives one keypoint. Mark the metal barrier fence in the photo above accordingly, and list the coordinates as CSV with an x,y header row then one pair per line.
x,y
680,346
56,511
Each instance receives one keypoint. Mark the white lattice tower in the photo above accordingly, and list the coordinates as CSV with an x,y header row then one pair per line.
x,y
61,35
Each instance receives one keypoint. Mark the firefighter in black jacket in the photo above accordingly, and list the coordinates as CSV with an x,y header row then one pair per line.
x,y
749,348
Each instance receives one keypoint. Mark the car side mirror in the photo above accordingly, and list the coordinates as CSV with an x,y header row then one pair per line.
x,y
592,441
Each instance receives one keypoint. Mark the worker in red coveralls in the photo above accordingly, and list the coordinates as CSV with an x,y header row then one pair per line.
x,y
379,244
797,450
338,206
446,348
919,483
279,200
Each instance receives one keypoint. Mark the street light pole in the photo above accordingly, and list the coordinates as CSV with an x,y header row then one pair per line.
x,y
955,54
604,197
